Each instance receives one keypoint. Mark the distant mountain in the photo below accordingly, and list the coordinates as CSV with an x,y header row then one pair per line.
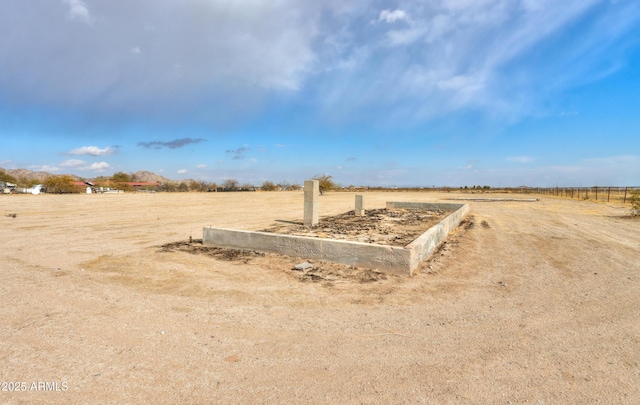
x,y
28,175
151,177
25,175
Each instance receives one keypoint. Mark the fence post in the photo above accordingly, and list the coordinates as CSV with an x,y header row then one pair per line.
x,y
624,201
586,193
596,193
608,194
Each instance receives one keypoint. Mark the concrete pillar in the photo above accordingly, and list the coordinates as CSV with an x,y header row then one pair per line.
x,y
359,211
311,195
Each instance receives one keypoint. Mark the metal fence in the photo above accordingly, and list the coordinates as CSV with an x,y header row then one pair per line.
x,y
608,194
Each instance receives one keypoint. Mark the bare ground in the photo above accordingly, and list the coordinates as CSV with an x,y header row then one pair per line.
x,y
526,303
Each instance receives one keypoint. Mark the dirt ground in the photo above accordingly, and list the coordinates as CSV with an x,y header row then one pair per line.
x,y
104,300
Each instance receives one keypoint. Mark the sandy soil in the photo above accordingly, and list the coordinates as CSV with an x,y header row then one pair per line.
x,y
526,303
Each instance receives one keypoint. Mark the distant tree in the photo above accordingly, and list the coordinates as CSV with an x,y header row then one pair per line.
x,y
203,186
325,182
24,181
194,186
230,185
169,186
7,178
182,187
247,187
268,186
121,181
121,177
60,184
284,185
213,186
635,202
295,187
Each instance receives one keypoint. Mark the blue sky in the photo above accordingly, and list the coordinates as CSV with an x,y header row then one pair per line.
x,y
380,93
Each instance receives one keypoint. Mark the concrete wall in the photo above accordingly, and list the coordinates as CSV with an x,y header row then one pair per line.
x,y
396,205
426,243
388,258
401,260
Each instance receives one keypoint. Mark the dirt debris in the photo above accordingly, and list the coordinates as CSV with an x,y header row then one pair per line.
x,y
195,246
320,271
379,226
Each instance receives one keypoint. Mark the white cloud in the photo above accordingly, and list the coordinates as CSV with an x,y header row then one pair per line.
x,y
93,151
457,55
98,166
78,10
73,163
201,166
205,59
404,37
81,165
183,171
392,16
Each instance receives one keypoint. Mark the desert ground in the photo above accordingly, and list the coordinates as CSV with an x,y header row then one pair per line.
x,y
526,303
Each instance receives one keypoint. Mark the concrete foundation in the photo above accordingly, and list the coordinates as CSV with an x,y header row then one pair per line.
x,y
359,210
401,260
311,196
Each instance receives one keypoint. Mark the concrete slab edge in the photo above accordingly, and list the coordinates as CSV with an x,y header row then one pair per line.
x,y
388,258
393,259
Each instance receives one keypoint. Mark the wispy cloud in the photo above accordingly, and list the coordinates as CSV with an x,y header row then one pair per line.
x,y
73,163
182,171
420,61
392,16
175,144
238,153
78,10
93,151
81,165
457,56
98,166
201,166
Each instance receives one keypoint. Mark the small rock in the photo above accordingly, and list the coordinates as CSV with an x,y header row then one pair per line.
x,y
303,266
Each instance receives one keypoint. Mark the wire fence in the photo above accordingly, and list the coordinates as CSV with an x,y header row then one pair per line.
x,y
608,194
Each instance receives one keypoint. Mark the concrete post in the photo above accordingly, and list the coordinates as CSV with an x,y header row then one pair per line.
x,y
359,211
311,195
